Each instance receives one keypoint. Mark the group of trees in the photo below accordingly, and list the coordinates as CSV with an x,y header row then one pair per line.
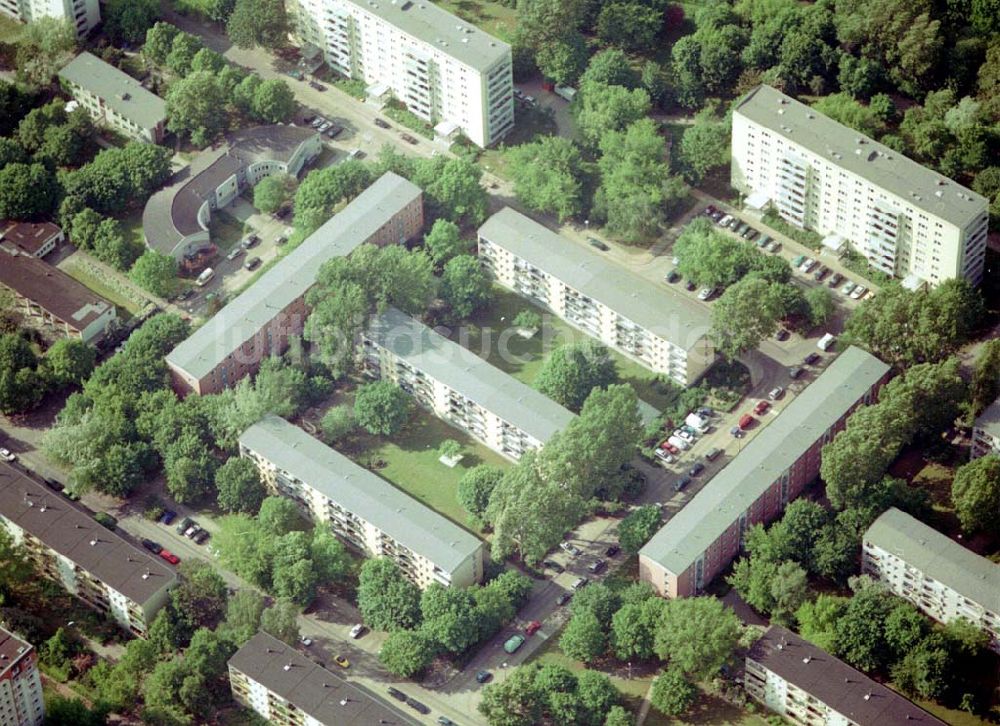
x,y
878,632
439,620
573,370
25,377
210,96
277,553
694,637
126,21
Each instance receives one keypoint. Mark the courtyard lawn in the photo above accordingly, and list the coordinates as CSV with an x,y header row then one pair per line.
x,y
226,231
132,228
126,307
491,336
10,29
492,17
409,460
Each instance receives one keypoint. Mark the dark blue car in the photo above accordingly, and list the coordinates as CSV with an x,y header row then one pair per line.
x,y
168,516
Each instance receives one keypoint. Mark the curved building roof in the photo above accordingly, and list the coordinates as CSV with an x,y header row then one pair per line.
x,y
171,215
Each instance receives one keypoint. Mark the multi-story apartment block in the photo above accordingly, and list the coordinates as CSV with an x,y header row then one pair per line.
x,y
700,541
34,238
83,14
258,323
50,300
362,509
114,98
908,221
808,686
943,579
986,432
288,689
176,219
659,328
448,72
460,387
93,563
21,701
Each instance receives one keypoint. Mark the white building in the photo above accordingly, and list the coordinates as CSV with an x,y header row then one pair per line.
x,y
288,689
446,71
907,220
460,387
986,432
114,98
114,577
808,686
656,326
84,14
943,579
361,508
21,700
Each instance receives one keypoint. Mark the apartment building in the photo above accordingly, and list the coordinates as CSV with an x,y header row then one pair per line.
x,y
288,689
458,386
986,432
50,300
943,579
175,220
808,686
700,541
66,545
448,72
114,98
34,238
258,323
653,325
362,509
83,14
907,220
21,700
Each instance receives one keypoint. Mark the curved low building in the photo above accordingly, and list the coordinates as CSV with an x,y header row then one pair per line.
x,y
175,220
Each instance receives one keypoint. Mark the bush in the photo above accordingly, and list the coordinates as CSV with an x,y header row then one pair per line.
x,y
106,520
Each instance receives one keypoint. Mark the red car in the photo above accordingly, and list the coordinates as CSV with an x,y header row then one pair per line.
x,y
532,627
170,557
746,421
761,407
667,446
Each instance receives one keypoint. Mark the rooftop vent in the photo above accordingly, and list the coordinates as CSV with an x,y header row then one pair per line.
x,y
781,110
868,696
146,575
287,666
806,660
93,543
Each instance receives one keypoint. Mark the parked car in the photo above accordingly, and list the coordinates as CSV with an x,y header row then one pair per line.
x,y
735,223
252,241
686,435
795,371
513,643
341,661
713,453
811,358
297,75
746,421
397,694
483,676
681,484
761,407
822,272
185,523
308,118
168,516
533,627
594,242
596,566
736,432
808,265
170,557
612,550
185,294
569,547
706,293
696,469
667,446
202,537
408,138
445,721
858,292
578,583
417,706
234,253
382,124
724,222
553,565
54,485
192,531
705,412
317,85
317,121
798,260
672,276
252,264
709,210
334,131
690,286
848,288
665,456
152,546
751,234
306,641
775,393
324,126
773,247
357,631
281,240
679,443
741,228
782,334
835,279
563,599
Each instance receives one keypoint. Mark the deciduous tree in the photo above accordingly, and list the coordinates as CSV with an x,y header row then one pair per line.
x,y
382,407
239,486
573,370
975,493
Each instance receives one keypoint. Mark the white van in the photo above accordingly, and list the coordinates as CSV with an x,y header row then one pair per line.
x,y
205,277
697,422
826,342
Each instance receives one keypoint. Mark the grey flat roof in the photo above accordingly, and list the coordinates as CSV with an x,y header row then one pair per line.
x,y
703,520
447,33
54,520
358,490
240,320
989,419
894,172
468,374
937,556
846,690
171,214
325,696
120,91
657,308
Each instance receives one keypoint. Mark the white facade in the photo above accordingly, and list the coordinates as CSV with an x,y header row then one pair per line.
x,y
986,432
442,68
788,700
907,220
21,699
84,14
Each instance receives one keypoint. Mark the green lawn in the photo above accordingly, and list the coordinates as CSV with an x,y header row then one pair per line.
x,y
132,227
492,17
10,29
409,459
126,308
226,231
531,122
491,337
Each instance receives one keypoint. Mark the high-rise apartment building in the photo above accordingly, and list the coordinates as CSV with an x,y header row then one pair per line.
x,y
657,327
907,220
943,579
21,701
360,507
448,72
259,323
83,14
700,541
106,572
810,687
460,387
986,432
